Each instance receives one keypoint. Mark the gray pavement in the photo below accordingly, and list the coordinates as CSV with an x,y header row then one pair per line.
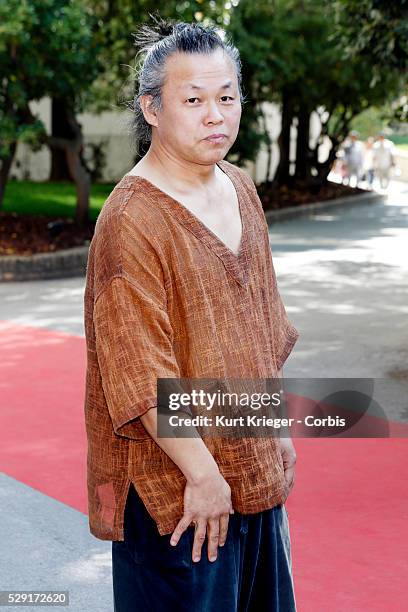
x,y
34,533
343,275
52,304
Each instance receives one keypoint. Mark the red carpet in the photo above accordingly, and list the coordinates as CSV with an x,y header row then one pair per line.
x,y
42,381
348,510
348,515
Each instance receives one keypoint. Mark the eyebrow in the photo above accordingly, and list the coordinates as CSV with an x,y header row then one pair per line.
x,y
193,86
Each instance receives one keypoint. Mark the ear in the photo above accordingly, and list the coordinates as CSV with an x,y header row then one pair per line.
x,y
150,114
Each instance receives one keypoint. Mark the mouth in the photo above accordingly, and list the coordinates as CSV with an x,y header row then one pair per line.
x,y
216,138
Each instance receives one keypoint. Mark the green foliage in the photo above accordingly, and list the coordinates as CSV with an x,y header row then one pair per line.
x,y
369,122
376,30
293,54
46,49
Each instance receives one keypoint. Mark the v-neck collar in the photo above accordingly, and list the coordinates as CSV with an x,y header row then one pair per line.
x,y
236,265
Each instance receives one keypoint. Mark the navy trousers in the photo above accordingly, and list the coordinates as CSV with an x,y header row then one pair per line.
x,y
252,573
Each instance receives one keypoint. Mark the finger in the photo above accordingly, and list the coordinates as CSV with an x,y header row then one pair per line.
x,y
213,534
199,537
182,525
224,520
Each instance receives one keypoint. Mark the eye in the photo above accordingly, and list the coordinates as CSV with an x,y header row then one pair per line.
x,y
229,97
190,99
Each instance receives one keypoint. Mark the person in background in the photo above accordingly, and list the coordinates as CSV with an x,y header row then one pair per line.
x,y
339,167
368,163
384,160
353,157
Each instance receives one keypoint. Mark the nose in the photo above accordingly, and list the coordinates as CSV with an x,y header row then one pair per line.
x,y
213,114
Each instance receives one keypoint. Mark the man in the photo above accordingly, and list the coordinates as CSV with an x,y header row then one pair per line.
x,y
383,159
353,157
368,164
180,283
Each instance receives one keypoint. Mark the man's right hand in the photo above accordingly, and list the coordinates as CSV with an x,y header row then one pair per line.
x,y
207,504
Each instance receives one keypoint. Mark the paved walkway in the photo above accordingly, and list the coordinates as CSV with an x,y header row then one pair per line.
x,y
343,278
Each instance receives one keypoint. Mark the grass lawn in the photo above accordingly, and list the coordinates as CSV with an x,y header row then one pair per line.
x,y
56,199
401,142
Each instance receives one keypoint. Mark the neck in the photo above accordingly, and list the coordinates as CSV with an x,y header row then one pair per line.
x,y
185,175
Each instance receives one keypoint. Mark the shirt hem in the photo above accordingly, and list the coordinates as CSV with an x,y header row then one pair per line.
x,y
117,534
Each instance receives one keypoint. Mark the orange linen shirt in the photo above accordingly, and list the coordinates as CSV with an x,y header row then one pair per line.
x,y
165,297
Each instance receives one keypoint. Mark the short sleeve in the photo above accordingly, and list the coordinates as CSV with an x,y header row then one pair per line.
x,y
133,337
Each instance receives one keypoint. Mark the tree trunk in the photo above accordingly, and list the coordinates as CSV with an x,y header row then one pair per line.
x,y
60,128
302,146
78,173
269,146
324,168
282,175
337,134
5,171
82,182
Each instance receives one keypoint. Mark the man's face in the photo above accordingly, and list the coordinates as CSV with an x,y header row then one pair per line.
x,y
200,97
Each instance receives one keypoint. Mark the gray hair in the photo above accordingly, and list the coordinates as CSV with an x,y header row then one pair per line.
x,y
157,43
